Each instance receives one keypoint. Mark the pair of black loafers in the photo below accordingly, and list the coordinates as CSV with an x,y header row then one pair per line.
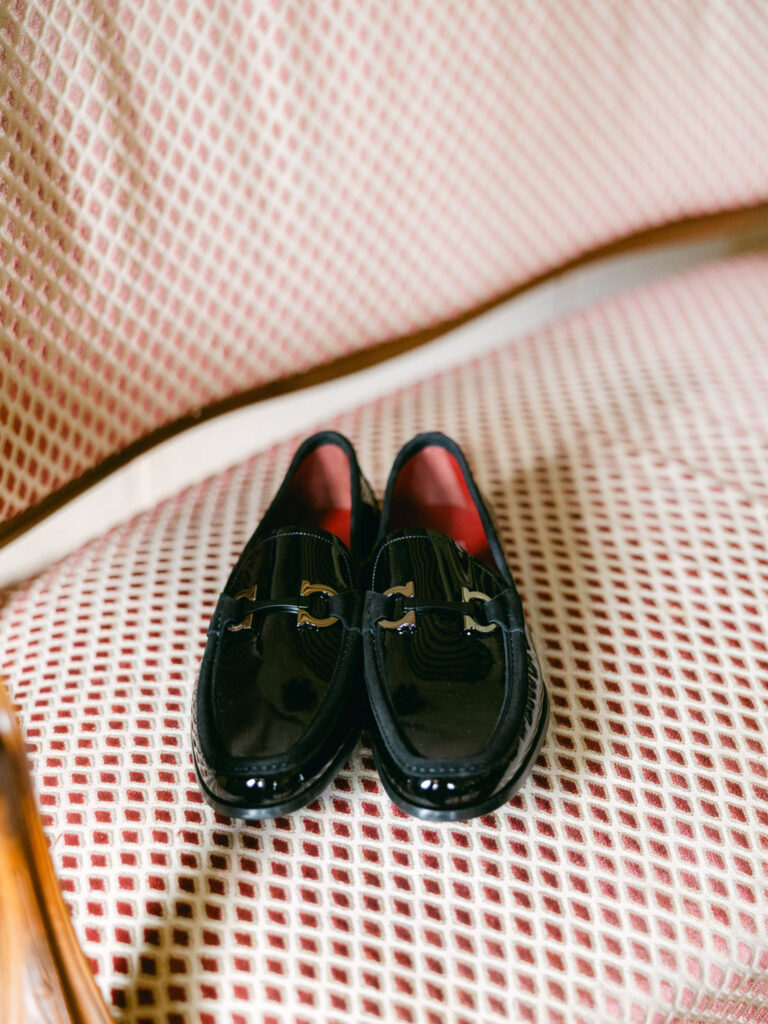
x,y
338,615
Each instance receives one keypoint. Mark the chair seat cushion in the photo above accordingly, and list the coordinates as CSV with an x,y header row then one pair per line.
x,y
624,453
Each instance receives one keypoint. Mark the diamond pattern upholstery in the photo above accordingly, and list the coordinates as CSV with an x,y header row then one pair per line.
x,y
203,196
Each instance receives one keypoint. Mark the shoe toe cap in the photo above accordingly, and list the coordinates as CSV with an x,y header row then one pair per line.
x,y
258,789
446,793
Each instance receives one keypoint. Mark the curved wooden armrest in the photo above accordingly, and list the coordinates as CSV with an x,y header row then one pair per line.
x,y
44,976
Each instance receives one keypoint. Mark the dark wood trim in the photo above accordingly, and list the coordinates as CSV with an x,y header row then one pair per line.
x,y
690,229
43,972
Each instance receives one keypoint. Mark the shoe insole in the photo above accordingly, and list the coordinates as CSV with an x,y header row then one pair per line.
x,y
319,494
431,493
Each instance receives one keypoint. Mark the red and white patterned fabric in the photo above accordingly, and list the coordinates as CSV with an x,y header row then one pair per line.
x,y
201,196
624,451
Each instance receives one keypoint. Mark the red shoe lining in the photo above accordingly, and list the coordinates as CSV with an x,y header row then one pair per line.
x,y
431,492
319,494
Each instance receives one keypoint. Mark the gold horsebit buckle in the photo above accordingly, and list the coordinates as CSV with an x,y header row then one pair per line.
x,y
409,618
303,616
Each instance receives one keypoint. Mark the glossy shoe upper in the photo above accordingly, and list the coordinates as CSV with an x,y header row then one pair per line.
x,y
453,681
279,693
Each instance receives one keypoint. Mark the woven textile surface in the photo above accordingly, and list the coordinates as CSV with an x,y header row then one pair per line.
x,y
624,453
201,197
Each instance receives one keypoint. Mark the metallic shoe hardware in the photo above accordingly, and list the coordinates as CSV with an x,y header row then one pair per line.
x,y
248,620
469,622
304,617
409,619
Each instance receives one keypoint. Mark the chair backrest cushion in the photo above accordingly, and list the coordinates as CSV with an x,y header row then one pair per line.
x,y
199,199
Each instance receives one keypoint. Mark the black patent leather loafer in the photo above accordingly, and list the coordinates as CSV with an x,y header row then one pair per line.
x,y
459,707
280,695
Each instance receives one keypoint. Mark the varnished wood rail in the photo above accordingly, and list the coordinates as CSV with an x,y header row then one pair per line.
x,y
44,976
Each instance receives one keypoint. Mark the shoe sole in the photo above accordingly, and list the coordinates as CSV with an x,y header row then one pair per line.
x,y
485,807
253,813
